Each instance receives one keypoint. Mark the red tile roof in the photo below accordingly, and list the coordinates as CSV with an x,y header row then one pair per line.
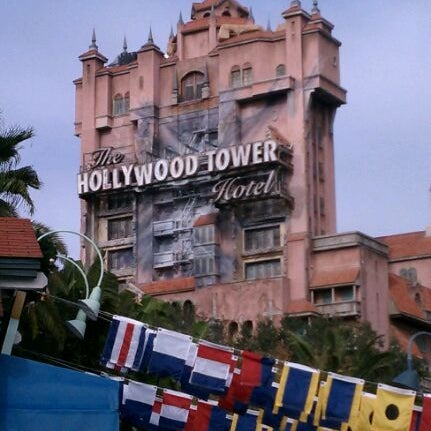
x,y
18,239
411,244
402,299
206,219
174,285
301,306
333,277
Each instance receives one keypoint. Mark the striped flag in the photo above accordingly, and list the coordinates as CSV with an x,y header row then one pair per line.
x,y
122,342
296,391
210,417
213,367
197,391
137,404
175,410
339,401
169,353
145,349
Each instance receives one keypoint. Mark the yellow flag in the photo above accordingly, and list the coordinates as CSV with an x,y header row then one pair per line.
x,y
393,409
366,413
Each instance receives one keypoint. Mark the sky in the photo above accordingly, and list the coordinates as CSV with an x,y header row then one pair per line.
x,y
382,135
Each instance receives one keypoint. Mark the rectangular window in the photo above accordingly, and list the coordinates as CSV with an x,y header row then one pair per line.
x,y
121,259
122,201
247,76
262,269
236,78
262,239
204,235
323,296
120,228
204,265
344,294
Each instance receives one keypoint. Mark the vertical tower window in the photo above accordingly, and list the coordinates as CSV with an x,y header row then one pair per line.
x,y
235,77
191,86
247,74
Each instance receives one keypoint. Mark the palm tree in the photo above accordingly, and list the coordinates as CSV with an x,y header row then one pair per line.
x,y
349,348
15,181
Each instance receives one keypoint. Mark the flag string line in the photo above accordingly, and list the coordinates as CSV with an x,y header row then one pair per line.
x,y
108,317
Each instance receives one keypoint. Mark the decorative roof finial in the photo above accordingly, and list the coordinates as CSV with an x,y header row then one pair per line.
x,y
212,12
124,44
150,36
295,3
250,15
268,25
315,7
180,19
171,34
93,41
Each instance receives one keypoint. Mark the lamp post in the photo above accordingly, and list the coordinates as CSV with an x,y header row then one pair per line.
x,y
410,378
78,325
91,304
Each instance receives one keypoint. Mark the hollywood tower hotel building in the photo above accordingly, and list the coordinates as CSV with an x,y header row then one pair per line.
x,y
207,172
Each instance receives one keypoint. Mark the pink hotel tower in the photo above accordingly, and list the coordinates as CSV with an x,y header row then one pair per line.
x,y
207,175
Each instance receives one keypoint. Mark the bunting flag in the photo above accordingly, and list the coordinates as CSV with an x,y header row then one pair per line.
x,y
339,401
296,391
237,397
122,342
246,422
155,415
212,367
425,422
256,370
190,425
275,421
366,413
416,421
145,349
210,417
186,386
175,410
169,353
393,408
137,403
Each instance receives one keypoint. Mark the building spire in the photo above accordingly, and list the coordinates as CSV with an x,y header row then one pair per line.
x,y
250,15
268,25
180,19
150,36
171,34
93,40
315,7
124,44
295,3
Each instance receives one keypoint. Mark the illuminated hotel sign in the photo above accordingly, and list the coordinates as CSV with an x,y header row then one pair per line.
x,y
107,173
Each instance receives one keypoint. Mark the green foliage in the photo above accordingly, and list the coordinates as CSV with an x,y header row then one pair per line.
x,y
15,181
346,347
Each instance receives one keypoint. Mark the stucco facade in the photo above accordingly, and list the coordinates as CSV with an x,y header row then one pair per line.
x,y
207,172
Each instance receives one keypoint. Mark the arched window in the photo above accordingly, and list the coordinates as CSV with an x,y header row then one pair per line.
x,y
226,13
232,330
235,77
280,70
191,86
207,14
247,74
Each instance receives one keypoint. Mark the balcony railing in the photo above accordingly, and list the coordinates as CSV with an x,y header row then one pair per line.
x,y
348,308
